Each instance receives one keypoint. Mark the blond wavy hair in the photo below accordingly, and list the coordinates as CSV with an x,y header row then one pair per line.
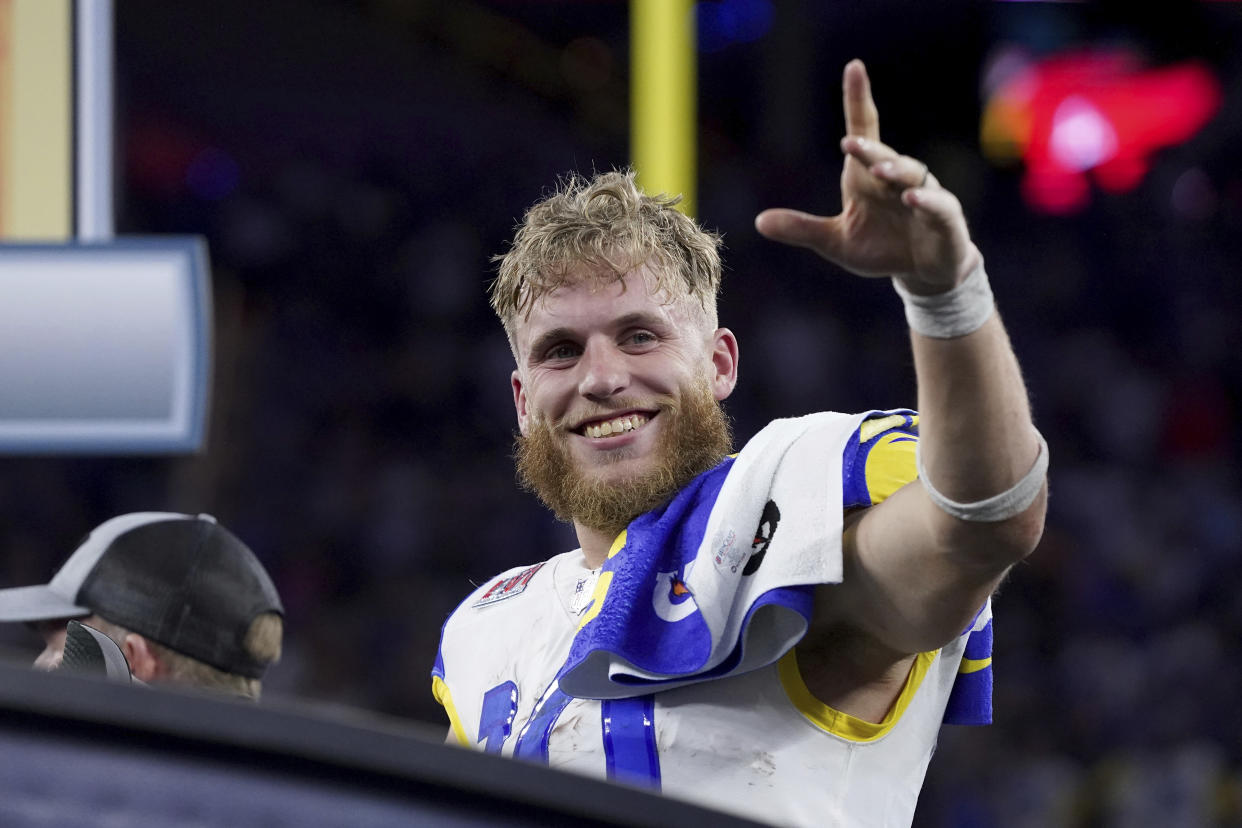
x,y
608,224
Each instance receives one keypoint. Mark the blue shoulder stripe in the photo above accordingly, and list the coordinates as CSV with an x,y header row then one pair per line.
x,y
970,701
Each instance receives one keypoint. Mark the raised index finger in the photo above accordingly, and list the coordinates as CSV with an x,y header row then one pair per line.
x,y
861,116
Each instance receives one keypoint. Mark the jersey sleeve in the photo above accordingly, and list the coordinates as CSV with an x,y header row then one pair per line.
x,y
440,690
970,703
879,457
469,644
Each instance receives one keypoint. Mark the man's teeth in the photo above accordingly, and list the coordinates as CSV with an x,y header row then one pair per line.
x,y
617,426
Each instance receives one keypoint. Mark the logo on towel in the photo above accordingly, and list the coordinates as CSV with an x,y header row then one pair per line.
x,y
507,587
727,556
672,600
763,537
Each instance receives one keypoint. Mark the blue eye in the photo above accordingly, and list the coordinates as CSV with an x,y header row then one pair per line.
x,y
642,337
561,352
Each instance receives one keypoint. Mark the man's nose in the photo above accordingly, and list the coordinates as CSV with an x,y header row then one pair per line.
x,y
50,658
604,371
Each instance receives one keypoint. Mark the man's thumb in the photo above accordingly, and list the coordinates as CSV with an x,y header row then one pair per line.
x,y
798,228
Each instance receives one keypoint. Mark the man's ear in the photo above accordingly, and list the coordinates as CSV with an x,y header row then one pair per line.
x,y
144,664
519,401
724,363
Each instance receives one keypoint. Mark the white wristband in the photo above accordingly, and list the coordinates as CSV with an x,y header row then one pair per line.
x,y
953,313
998,507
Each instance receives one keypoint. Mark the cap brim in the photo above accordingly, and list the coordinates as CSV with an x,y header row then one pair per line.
x,y
87,650
37,603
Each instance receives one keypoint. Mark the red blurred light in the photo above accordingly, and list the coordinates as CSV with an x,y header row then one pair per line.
x,y
1093,112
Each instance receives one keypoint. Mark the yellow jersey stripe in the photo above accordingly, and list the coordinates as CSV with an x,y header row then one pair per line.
x,y
601,583
890,465
843,724
870,428
974,665
440,690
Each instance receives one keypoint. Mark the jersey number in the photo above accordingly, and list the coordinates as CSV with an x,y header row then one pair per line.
x,y
627,727
496,721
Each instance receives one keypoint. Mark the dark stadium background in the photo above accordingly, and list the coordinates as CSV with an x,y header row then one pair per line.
x,y
354,165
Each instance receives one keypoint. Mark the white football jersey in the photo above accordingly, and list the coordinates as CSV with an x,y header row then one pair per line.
x,y
756,744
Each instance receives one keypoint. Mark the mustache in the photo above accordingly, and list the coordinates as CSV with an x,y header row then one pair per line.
x,y
692,441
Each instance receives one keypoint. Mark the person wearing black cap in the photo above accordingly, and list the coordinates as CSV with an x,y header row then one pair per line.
x,y
185,600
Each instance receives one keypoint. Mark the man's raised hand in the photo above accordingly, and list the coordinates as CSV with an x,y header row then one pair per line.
x,y
895,220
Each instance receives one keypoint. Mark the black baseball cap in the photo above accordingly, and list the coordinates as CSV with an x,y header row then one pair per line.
x,y
183,581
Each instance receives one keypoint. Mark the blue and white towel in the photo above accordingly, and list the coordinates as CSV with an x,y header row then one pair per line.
x,y
719,581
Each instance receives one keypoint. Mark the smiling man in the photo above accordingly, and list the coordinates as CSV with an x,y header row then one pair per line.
x,y
781,632
617,390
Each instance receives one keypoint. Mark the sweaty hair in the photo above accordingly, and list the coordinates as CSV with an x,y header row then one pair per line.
x,y
262,643
611,226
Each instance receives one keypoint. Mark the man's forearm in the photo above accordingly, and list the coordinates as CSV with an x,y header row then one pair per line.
x,y
977,439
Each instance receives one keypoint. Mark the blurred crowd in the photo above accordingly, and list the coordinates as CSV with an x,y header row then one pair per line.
x,y
362,417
